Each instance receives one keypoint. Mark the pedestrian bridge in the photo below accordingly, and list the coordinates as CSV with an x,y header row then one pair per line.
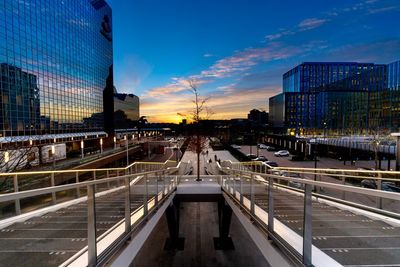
x,y
294,216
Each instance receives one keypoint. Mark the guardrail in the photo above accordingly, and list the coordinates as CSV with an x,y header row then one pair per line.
x,y
152,186
23,181
243,184
379,180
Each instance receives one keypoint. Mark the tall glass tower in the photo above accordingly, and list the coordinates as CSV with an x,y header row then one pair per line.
x,y
55,58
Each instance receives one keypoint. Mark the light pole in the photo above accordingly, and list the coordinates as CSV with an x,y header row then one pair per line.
x,y
376,154
53,154
82,146
127,149
6,159
101,145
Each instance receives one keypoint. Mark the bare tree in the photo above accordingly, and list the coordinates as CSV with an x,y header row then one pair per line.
x,y
199,112
14,159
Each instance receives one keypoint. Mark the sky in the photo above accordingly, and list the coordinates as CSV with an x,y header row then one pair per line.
x,y
236,51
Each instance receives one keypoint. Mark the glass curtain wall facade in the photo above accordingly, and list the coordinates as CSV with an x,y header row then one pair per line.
x,y
55,58
345,98
126,110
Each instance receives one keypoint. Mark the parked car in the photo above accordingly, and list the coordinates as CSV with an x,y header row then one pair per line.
x,y
251,156
271,148
386,186
270,164
282,153
236,146
262,146
260,158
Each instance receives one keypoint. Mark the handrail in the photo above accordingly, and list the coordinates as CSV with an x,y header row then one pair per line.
x,y
347,188
86,170
301,245
325,171
54,189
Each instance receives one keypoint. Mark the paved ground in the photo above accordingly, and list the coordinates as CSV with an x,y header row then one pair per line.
x,y
207,155
199,225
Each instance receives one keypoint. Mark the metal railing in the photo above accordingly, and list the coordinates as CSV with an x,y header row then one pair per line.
x,y
150,187
379,180
257,190
23,181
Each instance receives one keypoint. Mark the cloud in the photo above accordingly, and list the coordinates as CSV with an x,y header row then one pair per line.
x,y
279,35
243,82
383,9
312,23
208,55
388,51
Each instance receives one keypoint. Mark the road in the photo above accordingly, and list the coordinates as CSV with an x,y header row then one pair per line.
x,y
205,157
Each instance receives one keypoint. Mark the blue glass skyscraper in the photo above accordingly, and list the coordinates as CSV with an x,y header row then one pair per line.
x,y
55,58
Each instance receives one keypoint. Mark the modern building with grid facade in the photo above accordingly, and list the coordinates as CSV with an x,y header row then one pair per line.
x,y
55,58
338,97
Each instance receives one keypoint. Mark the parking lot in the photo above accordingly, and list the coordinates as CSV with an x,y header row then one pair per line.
x,y
322,162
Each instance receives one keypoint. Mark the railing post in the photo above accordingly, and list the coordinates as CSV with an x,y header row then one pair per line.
x,y
94,179
163,177
127,205
241,188
145,197
343,183
53,194
78,192
307,226
379,187
91,206
252,194
234,186
17,201
108,176
270,205
156,199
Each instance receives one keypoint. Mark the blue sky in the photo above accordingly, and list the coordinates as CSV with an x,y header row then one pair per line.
x,y
237,51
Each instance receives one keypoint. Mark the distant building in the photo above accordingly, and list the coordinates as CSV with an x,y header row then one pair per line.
x,y
19,102
126,110
258,117
340,97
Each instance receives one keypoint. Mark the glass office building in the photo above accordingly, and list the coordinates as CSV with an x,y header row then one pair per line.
x,y
342,98
55,57
126,110
310,77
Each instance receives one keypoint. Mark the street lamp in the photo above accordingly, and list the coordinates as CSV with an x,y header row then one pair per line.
x,y
101,145
53,152
6,159
82,146
127,150
115,142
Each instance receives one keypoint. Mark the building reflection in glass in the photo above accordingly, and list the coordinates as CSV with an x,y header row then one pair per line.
x,y
55,58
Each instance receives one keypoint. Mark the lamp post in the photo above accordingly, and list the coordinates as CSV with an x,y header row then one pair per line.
x,y
376,154
53,154
101,145
127,150
115,142
6,159
82,146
